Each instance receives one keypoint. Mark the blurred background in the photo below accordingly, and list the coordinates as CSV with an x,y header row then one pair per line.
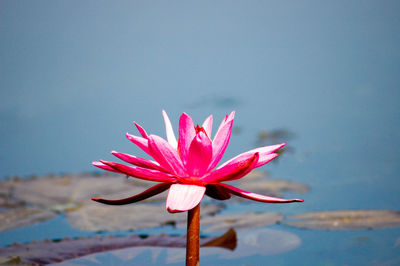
x,y
75,74
320,75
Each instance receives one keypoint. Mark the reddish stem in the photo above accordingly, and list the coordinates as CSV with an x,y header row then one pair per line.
x,y
193,237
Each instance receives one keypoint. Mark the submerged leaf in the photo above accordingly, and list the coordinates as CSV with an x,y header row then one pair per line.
x,y
49,195
241,220
52,191
20,217
98,217
346,219
273,187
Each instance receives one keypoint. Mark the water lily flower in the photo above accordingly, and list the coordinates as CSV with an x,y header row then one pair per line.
x,y
188,166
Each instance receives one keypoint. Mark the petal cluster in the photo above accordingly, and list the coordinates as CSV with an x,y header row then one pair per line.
x,y
188,166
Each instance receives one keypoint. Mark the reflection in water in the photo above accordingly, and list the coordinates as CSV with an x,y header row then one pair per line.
x,y
227,240
262,242
59,250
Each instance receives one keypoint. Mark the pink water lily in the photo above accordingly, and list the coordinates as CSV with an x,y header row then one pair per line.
x,y
187,166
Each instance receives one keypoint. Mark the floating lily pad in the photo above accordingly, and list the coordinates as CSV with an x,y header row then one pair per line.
x,y
99,217
242,220
20,217
346,219
63,190
255,175
56,251
11,260
272,187
266,137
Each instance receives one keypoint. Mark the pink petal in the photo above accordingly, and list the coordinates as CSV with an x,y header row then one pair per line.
x,y
140,142
141,173
222,122
217,192
263,151
104,167
141,130
207,125
165,155
264,159
232,171
157,189
170,132
187,133
254,196
200,153
137,161
221,140
184,197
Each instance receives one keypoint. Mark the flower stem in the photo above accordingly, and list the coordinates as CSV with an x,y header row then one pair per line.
x,y
193,237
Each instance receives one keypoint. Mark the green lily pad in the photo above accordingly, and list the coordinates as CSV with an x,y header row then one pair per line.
x,y
345,219
238,221
20,217
99,217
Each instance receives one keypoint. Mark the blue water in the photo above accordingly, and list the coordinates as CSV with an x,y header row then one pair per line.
x,y
74,76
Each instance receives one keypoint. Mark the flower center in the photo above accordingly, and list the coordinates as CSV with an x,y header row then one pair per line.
x,y
199,129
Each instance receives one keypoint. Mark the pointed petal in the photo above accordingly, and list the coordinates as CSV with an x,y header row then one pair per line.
x,y
138,161
186,136
140,142
254,196
157,189
184,197
104,167
165,155
217,192
264,159
222,123
207,125
200,153
141,173
221,140
263,151
232,171
169,131
141,130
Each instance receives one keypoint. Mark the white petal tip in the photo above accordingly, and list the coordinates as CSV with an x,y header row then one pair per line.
x,y
184,197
